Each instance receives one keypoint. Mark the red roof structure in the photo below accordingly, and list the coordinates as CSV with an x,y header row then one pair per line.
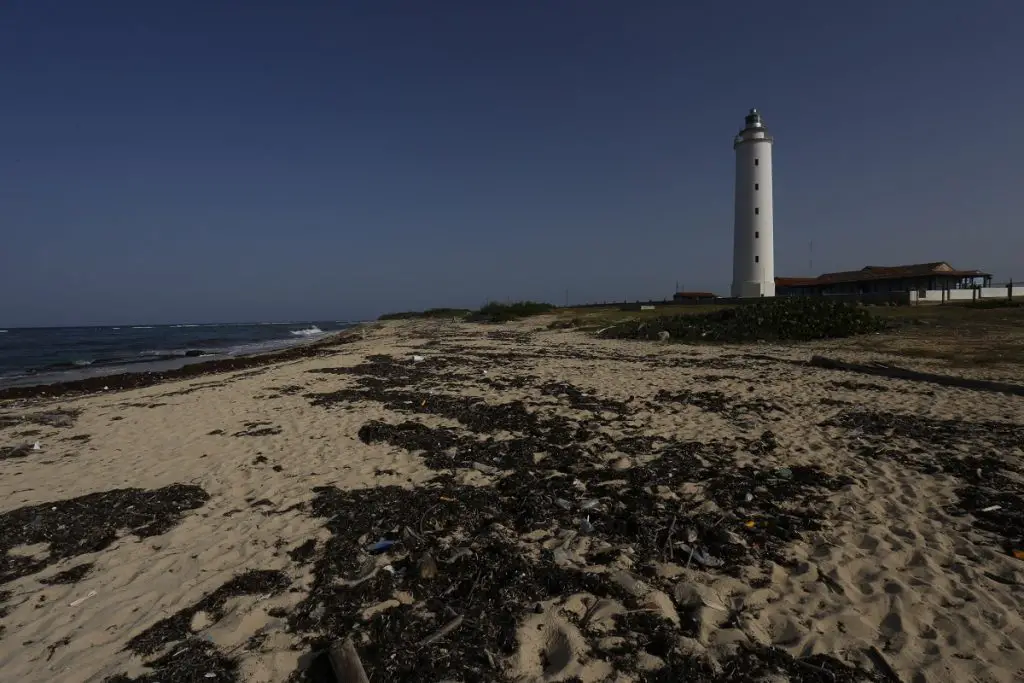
x,y
869,273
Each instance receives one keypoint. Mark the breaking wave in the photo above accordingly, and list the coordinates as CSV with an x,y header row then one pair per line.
x,y
308,332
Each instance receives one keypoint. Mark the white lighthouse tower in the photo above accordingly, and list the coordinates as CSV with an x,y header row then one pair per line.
x,y
753,256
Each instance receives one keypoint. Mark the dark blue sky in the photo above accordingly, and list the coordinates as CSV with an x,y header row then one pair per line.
x,y
208,161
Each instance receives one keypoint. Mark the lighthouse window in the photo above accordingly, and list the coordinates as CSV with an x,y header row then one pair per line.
x,y
757,186
756,162
757,212
757,259
757,235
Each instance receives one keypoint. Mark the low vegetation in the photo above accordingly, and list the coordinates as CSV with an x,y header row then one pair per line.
x,y
429,313
500,313
781,319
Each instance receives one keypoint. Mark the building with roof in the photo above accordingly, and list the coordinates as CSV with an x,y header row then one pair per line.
x,y
880,279
694,297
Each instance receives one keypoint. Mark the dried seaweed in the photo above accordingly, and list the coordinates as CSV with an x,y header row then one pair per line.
x,y
90,523
73,575
195,661
553,481
178,626
19,451
951,447
258,429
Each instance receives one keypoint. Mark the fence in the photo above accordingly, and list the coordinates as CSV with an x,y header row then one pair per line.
x,y
939,296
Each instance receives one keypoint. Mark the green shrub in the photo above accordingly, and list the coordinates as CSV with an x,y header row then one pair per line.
x,y
500,313
429,313
777,319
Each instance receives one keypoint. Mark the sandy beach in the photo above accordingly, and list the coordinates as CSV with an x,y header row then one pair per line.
x,y
486,503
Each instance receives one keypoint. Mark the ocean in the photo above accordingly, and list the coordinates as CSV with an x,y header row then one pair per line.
x,y
53,354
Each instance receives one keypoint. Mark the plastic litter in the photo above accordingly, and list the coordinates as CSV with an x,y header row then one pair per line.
x,y
380,546
700,557
79,601
486,469
417,359
749,497
36,446
585,526
590,504
992,508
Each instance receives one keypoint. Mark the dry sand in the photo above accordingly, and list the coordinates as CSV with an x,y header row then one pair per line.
x,y
894,575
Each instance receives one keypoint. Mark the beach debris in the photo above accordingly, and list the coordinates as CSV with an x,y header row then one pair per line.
x,y
442,632
345,662
90,523
418,359
15,451
699,556
36,446
458,554
427,567
895,372
585,526
380,546
486,469
992,508
590,504
177,627
664,335
79,601
784,473
69,576
1019,554
695,595
882,664
524,530
749,497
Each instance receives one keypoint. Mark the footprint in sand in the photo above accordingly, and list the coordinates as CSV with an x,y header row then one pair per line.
x,y
551,649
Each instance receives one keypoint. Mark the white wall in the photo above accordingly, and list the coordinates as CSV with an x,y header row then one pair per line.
x,y
936,295
753,265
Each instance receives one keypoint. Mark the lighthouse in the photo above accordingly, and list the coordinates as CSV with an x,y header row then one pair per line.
x,y
753,255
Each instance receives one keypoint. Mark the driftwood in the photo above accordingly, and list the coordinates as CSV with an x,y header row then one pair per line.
x,y
882,370
345,662
442,632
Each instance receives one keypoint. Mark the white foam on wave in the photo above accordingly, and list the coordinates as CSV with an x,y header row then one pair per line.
x,y
141,327
82,363
177,326
3,331
308,332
